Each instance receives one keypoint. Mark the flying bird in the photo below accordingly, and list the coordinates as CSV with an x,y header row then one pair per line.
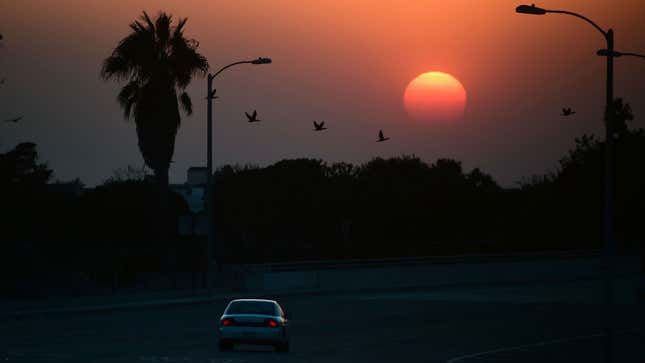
x,y
380,137
14,120
319,126
253,117
568,111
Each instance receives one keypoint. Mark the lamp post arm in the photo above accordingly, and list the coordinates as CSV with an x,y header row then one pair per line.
x,y
633,54
604,33
211,76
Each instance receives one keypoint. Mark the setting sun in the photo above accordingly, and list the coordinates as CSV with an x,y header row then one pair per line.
x,y
435,96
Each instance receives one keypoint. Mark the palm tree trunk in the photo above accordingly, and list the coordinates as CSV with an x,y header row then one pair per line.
x,y
161,175
165,230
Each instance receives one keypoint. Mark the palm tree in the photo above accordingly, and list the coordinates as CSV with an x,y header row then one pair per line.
x,y
158,63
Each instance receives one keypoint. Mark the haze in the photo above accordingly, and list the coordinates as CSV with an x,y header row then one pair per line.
x,y
344,62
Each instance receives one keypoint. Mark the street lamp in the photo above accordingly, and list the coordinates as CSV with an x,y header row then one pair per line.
x,y
608,228
530,9
210,95
615,54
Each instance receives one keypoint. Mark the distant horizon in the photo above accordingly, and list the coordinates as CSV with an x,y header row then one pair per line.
x,y
243,165
216,168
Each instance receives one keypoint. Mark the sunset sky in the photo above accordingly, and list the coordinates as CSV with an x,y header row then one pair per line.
x,y
346,62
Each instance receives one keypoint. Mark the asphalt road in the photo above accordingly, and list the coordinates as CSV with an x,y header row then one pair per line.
x,y
530,323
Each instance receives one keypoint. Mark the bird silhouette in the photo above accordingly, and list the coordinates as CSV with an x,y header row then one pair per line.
x,y
568,111
212,95
319,126
380,137
14,120
253,117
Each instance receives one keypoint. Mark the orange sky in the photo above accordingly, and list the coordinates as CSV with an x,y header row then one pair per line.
x,y
346,62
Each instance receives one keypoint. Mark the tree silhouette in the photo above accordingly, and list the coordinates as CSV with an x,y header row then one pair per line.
x,y
25,217
621,113
19,168
569,202
129,173
158,63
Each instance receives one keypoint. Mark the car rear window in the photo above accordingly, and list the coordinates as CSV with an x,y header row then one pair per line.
x,y
251,307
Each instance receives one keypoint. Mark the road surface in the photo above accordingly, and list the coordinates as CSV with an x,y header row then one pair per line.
x,y
528,323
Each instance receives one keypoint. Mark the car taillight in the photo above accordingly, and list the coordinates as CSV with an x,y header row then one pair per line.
x,y
271,323
227,322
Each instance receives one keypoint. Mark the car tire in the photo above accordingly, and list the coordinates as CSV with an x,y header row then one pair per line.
x,y
282,347
225,346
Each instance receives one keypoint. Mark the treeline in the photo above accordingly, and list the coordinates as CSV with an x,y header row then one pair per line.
x,y
306,209
59,235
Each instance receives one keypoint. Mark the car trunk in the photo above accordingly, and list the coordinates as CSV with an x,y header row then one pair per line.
x,y
250,320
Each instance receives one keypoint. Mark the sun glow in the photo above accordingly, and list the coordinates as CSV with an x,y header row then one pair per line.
x,y
435,96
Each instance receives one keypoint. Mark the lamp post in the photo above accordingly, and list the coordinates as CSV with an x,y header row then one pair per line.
x,y
608,212
210,95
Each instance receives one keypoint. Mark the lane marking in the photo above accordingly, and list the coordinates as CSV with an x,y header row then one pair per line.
x,y
532,345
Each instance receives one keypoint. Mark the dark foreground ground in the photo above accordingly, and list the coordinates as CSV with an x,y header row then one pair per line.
x,y
530,323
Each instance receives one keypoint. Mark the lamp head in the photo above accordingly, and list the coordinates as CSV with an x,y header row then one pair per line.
x,y
261,60
607,53
530,9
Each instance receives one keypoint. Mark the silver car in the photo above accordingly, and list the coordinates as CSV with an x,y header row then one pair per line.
x,y
253,321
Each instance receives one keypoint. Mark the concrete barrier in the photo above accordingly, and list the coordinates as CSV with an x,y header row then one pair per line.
x,y
435,274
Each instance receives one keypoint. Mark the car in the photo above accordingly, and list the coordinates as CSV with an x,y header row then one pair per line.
x,y
253,321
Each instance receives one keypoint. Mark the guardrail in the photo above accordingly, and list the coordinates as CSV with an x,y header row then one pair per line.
x,y
410,261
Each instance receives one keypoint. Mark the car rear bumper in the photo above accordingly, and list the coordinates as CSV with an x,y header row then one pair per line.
x,y
256,335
